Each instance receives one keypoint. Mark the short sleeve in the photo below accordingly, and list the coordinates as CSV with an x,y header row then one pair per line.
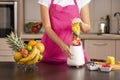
x,y
44,2
82,3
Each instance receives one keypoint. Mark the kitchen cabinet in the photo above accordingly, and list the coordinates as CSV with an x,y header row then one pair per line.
x,y
118,50
28,11
6,53
99,49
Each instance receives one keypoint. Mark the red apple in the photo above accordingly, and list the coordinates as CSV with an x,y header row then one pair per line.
x,y
34,29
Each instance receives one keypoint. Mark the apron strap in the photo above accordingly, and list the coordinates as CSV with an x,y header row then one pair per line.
x,y
52,1
75,2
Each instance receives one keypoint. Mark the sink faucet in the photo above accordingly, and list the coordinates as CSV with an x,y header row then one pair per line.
x,y
117,14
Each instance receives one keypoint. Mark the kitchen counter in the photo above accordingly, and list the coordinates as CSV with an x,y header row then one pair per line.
x,y
82,36
49,71
100,36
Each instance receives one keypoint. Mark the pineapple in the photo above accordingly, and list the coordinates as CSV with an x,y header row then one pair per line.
x,y
15,42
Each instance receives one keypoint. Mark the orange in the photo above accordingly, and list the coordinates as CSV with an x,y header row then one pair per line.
x,y
40,46
17,56
32,42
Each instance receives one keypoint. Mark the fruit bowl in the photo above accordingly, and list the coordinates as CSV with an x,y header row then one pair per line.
x,y
26,54
105,68
92,66
32,27
27,68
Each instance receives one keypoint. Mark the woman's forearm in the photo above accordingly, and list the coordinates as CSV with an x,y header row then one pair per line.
x,y
47,25
53,36
85,27
64,47
85,17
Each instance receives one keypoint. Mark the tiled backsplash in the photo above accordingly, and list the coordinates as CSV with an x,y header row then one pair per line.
x,y
102,8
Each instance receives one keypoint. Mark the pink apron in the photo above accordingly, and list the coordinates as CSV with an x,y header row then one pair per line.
x,y
61,23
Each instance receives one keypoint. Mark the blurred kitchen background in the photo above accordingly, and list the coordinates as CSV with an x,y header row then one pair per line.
x,y
98,9
103,13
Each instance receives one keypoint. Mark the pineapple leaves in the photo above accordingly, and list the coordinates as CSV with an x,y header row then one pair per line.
x,y
14,41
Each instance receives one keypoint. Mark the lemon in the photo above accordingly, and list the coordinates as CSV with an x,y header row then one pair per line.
x,y
32,42
17,56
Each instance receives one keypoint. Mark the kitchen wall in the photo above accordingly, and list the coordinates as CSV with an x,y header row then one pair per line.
x,y
101,8
98,9
32,11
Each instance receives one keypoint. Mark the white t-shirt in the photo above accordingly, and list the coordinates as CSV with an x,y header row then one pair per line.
x,y
80,3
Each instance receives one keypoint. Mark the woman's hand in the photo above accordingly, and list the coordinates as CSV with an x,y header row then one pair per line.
x,y
66,49
83,26
76,20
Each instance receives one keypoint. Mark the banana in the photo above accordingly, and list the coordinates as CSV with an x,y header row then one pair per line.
x,y
20,62
30,56
34,60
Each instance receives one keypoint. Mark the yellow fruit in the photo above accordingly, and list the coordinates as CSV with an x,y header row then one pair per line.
x,y
34,60
20,62
32,42
17,56
110,60
31,55
40,46
76,28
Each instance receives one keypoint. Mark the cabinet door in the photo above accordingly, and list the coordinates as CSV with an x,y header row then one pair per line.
x,y
118,50
4,45
6,56
99,49
6,53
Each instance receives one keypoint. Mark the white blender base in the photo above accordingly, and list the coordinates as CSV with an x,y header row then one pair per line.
x,y
77,58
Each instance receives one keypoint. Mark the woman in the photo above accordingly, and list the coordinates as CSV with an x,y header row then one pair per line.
x,y
57,16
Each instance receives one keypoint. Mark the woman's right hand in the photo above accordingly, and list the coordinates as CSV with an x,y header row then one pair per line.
x,y
66,49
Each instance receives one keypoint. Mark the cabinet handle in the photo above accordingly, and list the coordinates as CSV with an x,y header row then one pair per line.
x,y
100,44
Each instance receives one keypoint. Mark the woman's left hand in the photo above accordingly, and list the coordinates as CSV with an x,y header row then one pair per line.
x,y
76,20
83,26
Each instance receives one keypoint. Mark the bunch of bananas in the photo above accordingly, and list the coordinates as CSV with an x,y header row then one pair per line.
x,y
76,28
33,57
30,54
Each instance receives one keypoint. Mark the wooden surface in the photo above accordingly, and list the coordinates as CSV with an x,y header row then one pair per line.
x,y
56,71
114,67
